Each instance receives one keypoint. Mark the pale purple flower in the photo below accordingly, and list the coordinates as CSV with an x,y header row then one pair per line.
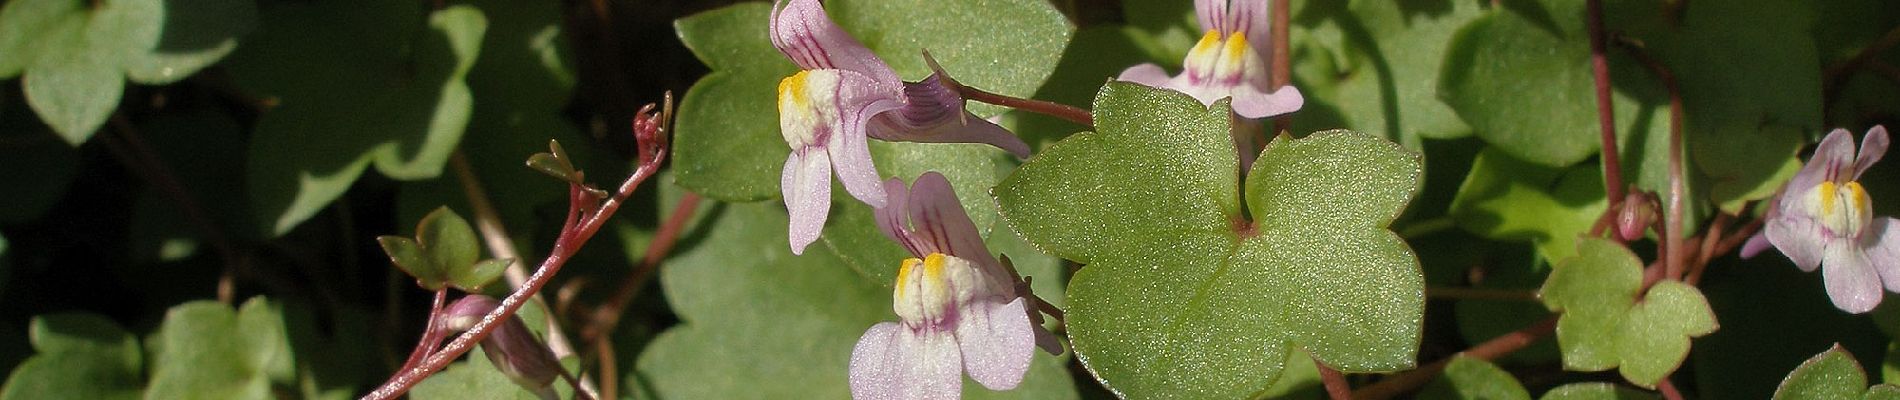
x,y
1229,61
842,95
959,310
1823,217
510,347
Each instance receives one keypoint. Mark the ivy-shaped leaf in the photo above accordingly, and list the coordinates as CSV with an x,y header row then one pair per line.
x,y
1833,374
80,356
1183,295
752,312
1521,77
1506,198
1596,391
728,146
74,56
205,350
1604,325
1474,379
1387,80
394,97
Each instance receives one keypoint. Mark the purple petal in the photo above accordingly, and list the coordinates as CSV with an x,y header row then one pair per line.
x,y
802,31
1883,251
852,157
1251,103
935,114
937,216
1755,245
892,361
997,340
1251,17
1799,238
1211,14
1872,147
515,351
1834,156
890,217
1146,74
806,185
1851,280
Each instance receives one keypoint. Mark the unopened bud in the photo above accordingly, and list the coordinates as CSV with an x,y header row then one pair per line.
x,y
511,347
1634,216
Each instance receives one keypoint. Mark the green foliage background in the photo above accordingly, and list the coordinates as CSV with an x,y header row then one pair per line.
x,y
150,149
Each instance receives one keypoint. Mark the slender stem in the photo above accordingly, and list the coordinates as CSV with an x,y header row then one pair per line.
x,y
564,249
607,316
609,387
1064,111
500,246
130,147
1070,113
1489,350
1606,115
1672,225
1281,73
1836,75
1668,389
1336,386
1465,293
430,335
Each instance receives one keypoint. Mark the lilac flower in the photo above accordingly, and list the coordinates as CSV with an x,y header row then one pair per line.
x,y
842,95
511,347
1823,217
959,310
1229,61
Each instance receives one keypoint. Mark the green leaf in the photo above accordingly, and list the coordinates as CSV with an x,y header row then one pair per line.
x,y
1388,80
448,241
396,98
1473,378
75,56
411,259
473,278
751,312
1833,374
727,145
1596,391
1505,198
1183,295
205,350
81,356
1604,326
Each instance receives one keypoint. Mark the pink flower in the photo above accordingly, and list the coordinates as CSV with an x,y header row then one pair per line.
x,y
1823,217
843,94
959,310
1229,61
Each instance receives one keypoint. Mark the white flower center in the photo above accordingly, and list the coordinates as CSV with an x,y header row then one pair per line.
x,y
1224,62
808,107
1843,209
930,291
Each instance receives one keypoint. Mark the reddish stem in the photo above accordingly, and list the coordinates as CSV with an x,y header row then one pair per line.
x,y
1668,389
607,316
1281,74
1672,226
430,336
1336,386
1489,350
652,143
1606,115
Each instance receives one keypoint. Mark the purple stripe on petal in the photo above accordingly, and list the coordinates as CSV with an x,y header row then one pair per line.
x,y
802,30
997,342
934,113
935,208
1211,14
1872,147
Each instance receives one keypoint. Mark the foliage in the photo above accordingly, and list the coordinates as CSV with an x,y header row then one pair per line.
x,y
190,213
